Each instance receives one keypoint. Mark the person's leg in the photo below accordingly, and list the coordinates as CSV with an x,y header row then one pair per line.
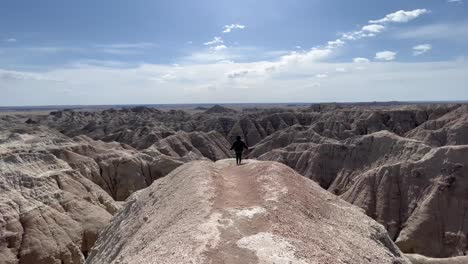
x,y
237,158
240,158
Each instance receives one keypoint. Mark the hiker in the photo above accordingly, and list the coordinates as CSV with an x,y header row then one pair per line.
x,y
238,146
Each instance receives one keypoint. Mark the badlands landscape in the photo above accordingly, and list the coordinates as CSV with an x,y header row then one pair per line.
x,y
324,183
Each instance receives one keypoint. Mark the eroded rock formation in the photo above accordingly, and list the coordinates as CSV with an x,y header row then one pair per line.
x,y
403,164
195,145
417,192
49,213
261,212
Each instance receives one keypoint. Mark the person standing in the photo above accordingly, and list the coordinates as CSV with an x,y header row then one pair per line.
x,y
238,146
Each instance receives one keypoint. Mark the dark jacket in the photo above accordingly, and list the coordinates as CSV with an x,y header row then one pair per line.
x,y
239,146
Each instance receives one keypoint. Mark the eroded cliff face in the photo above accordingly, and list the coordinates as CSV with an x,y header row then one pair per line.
x,y
141,127
57,192
403,165
448,129
334,164
420,201
419,259
260,212
194,146
118,169
49,213
417,192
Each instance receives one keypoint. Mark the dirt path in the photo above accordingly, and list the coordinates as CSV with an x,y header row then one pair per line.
x,y
237,188
239,202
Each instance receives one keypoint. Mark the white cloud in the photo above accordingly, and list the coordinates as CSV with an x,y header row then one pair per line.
x,y
366,32
207,56
215,40
321,75
238,73
385,55
310,56
10,40
355,35
200,89
229,28
421,49
335,44
210,74
165,78
361,60
52,49
209,83
219,47
455,1
215,54
373,28
116,48
6,75
401,16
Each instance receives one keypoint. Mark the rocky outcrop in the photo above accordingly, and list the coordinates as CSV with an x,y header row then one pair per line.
x,y
418,259
285,137
49,213
138,127
195,145
403,164
141,127
420,201
218,109
449,129
138,137
414,190
119,170
334,164
261,212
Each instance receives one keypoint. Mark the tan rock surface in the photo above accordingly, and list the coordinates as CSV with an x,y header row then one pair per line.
x,y
417,192
418,259
449,129
383,157
260,212
118,168
333,164
195,145
49,213
427,199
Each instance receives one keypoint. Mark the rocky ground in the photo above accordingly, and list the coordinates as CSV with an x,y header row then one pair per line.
x,y
260,212
65,173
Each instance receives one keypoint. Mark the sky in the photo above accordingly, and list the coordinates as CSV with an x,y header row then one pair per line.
x,y
55,52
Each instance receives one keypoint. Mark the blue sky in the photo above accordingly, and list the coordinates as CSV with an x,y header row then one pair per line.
x,y
128,52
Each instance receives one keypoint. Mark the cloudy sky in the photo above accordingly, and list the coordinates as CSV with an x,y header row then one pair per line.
x,y
55,52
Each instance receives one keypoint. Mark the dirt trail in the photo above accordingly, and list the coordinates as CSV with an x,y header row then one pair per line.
x,y
238,200
237,187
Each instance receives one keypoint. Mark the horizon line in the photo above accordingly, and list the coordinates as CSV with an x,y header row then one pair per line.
x,y
220,103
